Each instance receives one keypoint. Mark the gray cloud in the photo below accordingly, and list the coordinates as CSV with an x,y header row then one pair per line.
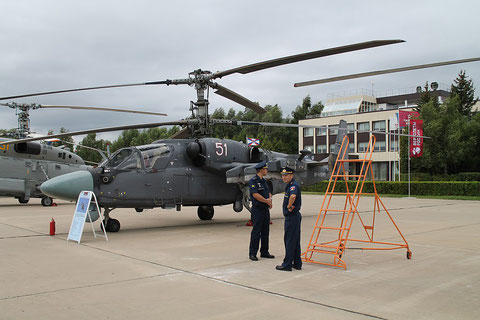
x,y
50,45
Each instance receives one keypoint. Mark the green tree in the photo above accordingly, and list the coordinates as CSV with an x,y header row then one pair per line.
x,y
452,142
280,139
89,154
64,141
306,109
464,90
8,133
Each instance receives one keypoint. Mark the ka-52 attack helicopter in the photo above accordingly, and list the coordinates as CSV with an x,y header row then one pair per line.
x,y
25,166
191,168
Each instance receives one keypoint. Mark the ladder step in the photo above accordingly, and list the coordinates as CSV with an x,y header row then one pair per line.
x,y
332,228
322,251
324,246
348,175
334,210
356,194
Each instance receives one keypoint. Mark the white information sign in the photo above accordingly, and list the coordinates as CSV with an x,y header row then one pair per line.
x,y
80,216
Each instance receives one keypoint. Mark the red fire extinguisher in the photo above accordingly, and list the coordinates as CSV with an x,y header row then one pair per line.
x,y
52,227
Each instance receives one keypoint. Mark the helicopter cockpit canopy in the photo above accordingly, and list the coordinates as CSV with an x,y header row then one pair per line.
x,y
155,156
150,156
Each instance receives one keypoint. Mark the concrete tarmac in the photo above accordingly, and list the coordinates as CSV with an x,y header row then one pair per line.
x,y
165,264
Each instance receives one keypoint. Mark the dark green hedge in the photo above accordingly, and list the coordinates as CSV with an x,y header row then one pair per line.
x,y
426,188
462,176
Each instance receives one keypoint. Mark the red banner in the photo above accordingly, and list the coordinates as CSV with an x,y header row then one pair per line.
x,y
403,117
416,143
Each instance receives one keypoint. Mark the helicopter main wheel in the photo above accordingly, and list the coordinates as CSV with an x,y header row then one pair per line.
x,y
22,200
139,209
205,212
47,201
112,225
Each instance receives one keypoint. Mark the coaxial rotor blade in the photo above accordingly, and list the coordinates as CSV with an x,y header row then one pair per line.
x,y
294,125
386,71
305,56
106,129
102,109
229,94
85,89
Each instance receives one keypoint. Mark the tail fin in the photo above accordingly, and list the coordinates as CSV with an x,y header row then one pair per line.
x,y
342,132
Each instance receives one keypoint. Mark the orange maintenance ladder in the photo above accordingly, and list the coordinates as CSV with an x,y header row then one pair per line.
x,y
340,233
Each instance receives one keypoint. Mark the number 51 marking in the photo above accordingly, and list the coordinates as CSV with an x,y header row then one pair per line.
x,y
221,149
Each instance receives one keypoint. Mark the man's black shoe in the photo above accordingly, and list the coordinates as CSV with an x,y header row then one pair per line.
x,y
298,268
267,255
282,268
253,257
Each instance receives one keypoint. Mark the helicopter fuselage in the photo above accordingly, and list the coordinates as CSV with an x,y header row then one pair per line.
x,y
25,166
185,172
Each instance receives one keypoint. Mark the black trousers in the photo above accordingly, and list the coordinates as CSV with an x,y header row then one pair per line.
x,y
291,238
260,230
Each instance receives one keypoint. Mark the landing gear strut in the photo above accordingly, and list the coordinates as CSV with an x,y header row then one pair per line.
x,y
111,225
22,200
205,212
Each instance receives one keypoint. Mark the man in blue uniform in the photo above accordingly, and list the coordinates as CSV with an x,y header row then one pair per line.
x,y
291,210
261,198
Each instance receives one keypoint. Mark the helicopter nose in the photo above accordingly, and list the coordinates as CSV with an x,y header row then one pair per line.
x,y
68,186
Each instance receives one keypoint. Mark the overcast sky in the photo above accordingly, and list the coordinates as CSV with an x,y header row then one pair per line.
x,y
53,45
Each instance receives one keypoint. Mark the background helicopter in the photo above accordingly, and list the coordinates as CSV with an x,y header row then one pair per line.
x,y
25,166
191,169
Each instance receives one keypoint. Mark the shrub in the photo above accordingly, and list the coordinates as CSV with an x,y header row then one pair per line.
x,y
421,188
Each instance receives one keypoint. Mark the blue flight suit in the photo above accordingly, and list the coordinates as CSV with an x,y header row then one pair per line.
x,y
260,216
293,221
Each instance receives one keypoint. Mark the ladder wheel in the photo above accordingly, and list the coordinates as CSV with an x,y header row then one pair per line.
x,y
409,255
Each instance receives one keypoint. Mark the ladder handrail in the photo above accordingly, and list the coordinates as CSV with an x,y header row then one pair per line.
x,y
350,208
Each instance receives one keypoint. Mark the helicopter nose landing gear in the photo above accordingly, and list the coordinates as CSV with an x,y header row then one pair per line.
x,y
47,201
111,225
205,212
238,206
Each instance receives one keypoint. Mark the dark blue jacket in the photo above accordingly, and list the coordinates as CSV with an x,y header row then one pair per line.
x,y
258,185
292,188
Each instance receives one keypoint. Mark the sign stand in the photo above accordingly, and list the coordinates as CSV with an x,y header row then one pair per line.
x,y
80,216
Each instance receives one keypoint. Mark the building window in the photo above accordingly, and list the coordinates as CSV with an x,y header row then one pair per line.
x,y
393,145
362,146
367,106
350,127
333,129
380,170
308,132
322,148
378,125
380,146
309,148
322,131
351,147
363,126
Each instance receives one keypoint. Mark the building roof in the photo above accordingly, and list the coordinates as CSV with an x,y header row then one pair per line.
x,y
411,98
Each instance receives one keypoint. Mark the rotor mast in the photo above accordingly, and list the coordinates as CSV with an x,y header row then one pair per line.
x,y
22,110
202,81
